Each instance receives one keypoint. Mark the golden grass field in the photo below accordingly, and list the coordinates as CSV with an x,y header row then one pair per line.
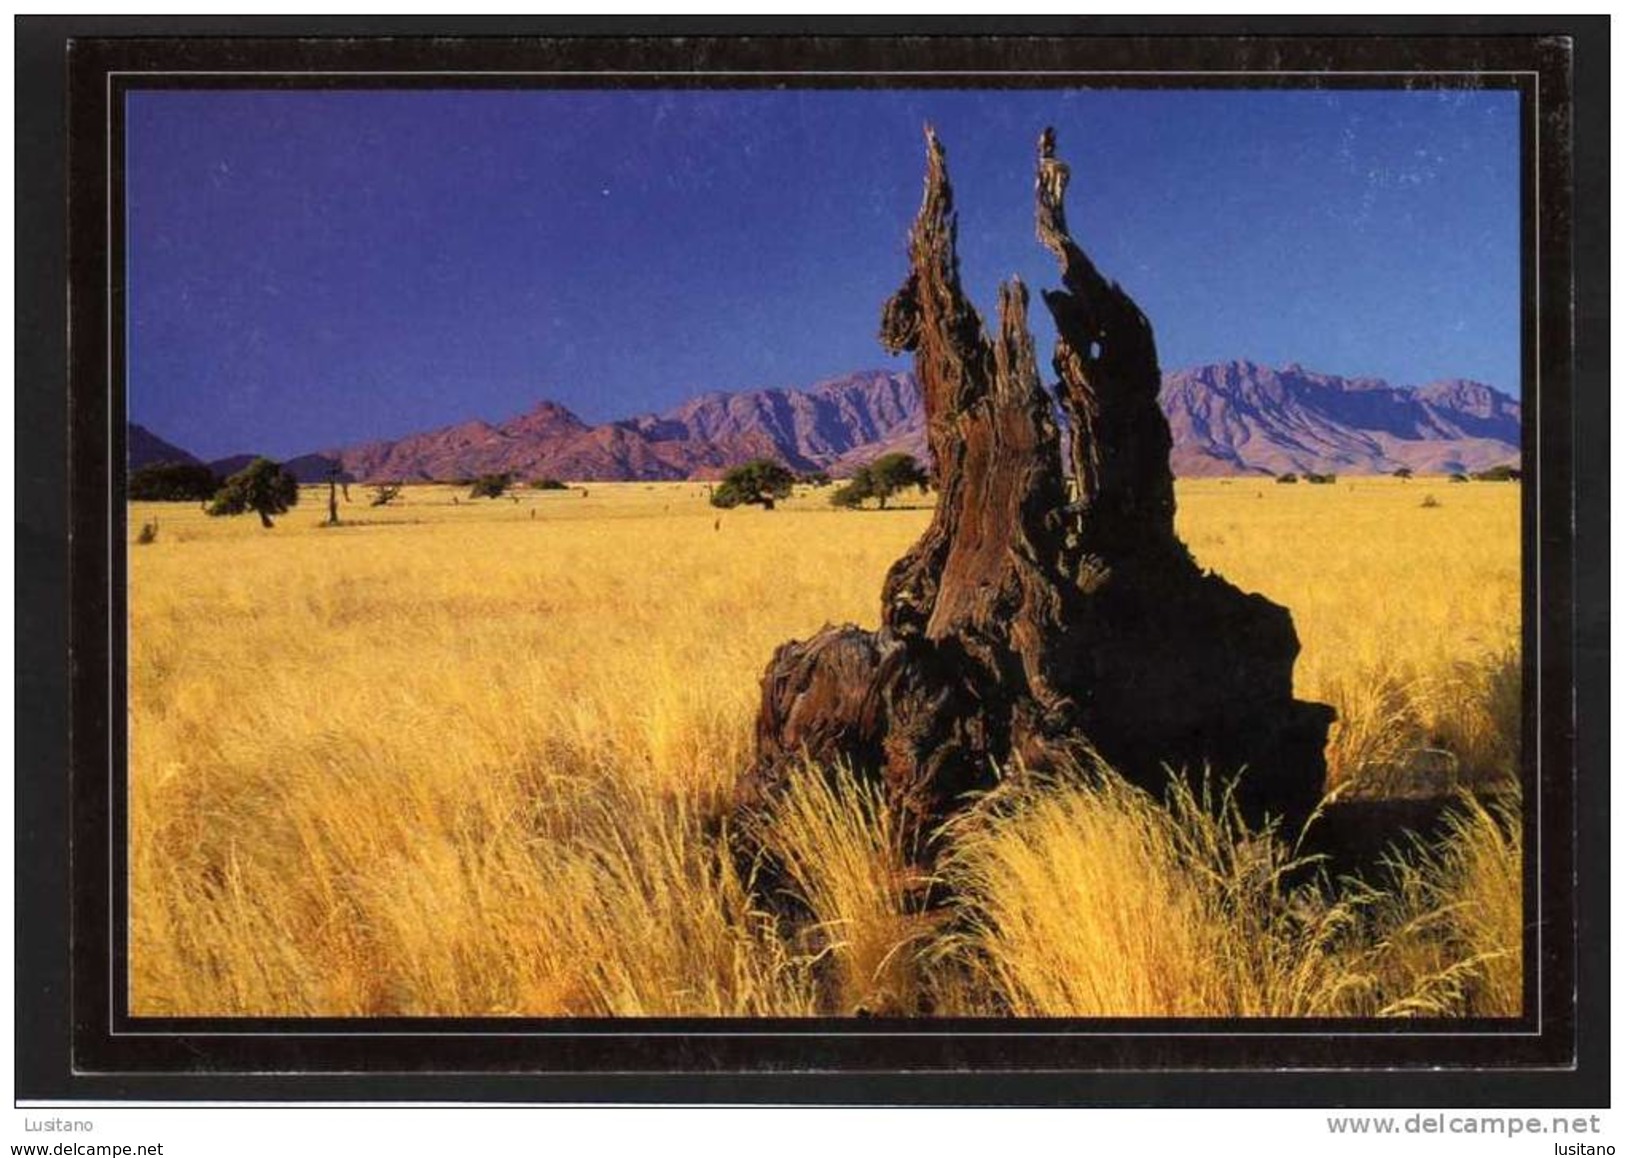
x,y
468,759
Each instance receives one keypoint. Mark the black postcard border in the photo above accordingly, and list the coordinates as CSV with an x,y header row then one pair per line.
x,y
821,1061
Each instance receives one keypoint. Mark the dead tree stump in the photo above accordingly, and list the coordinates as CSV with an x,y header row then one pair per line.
x,y
1028,623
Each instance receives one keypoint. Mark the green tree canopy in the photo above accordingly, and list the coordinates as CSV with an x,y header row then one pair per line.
x,y
760,482
881,479
891,473
262,487
851,495
491,486
173,482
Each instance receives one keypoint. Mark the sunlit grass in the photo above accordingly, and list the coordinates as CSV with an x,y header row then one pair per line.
x,y
842,856
1089,898
471,757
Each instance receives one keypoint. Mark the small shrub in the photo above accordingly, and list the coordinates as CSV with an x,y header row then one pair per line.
x,y
548,484
148,533
1503,473
1319,479
1289,477
1430,502
490,486
1458,477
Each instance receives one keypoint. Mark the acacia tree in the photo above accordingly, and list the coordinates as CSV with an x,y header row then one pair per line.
x,y
262,487
881,479
891,473
760,482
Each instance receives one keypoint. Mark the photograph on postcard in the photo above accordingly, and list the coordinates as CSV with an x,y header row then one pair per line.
x,y
825,552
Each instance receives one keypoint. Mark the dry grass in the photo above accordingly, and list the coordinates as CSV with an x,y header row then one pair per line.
x,y
1449,922
842,858
1091,899
1077,902
1408,616
470,758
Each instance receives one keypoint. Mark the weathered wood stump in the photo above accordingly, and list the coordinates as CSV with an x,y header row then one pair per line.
x,y
1032,625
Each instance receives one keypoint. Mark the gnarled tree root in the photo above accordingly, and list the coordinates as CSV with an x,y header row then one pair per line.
x,y
1049,614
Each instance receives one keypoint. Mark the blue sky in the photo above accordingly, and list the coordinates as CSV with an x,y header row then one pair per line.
x,y
312,269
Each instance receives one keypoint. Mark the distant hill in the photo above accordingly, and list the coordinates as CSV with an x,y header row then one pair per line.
x,y
1227,418
307,468
144,448
231,464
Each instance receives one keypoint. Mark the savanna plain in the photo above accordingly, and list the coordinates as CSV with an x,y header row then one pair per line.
x,y
473,757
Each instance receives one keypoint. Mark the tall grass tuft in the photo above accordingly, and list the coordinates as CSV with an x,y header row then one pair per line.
x,y
1482,868
1447,935
1087,898
1404,733
842,856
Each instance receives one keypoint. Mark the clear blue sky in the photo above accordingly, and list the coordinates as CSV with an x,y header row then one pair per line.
x,y
308,270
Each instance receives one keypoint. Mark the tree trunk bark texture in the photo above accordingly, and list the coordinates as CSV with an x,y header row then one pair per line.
x,y
1033,624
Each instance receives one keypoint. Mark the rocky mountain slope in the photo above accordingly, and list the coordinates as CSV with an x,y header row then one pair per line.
x,y
1227,418
1243,418
829,426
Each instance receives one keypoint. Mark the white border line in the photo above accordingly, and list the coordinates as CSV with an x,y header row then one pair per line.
x,y
526,1027
763,72
1540,485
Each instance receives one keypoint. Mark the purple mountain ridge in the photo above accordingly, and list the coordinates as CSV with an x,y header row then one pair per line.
x,y
1227,418
1243,418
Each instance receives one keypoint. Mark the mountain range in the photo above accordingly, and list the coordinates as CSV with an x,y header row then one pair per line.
x,y
1227,418
1243,418
831,426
